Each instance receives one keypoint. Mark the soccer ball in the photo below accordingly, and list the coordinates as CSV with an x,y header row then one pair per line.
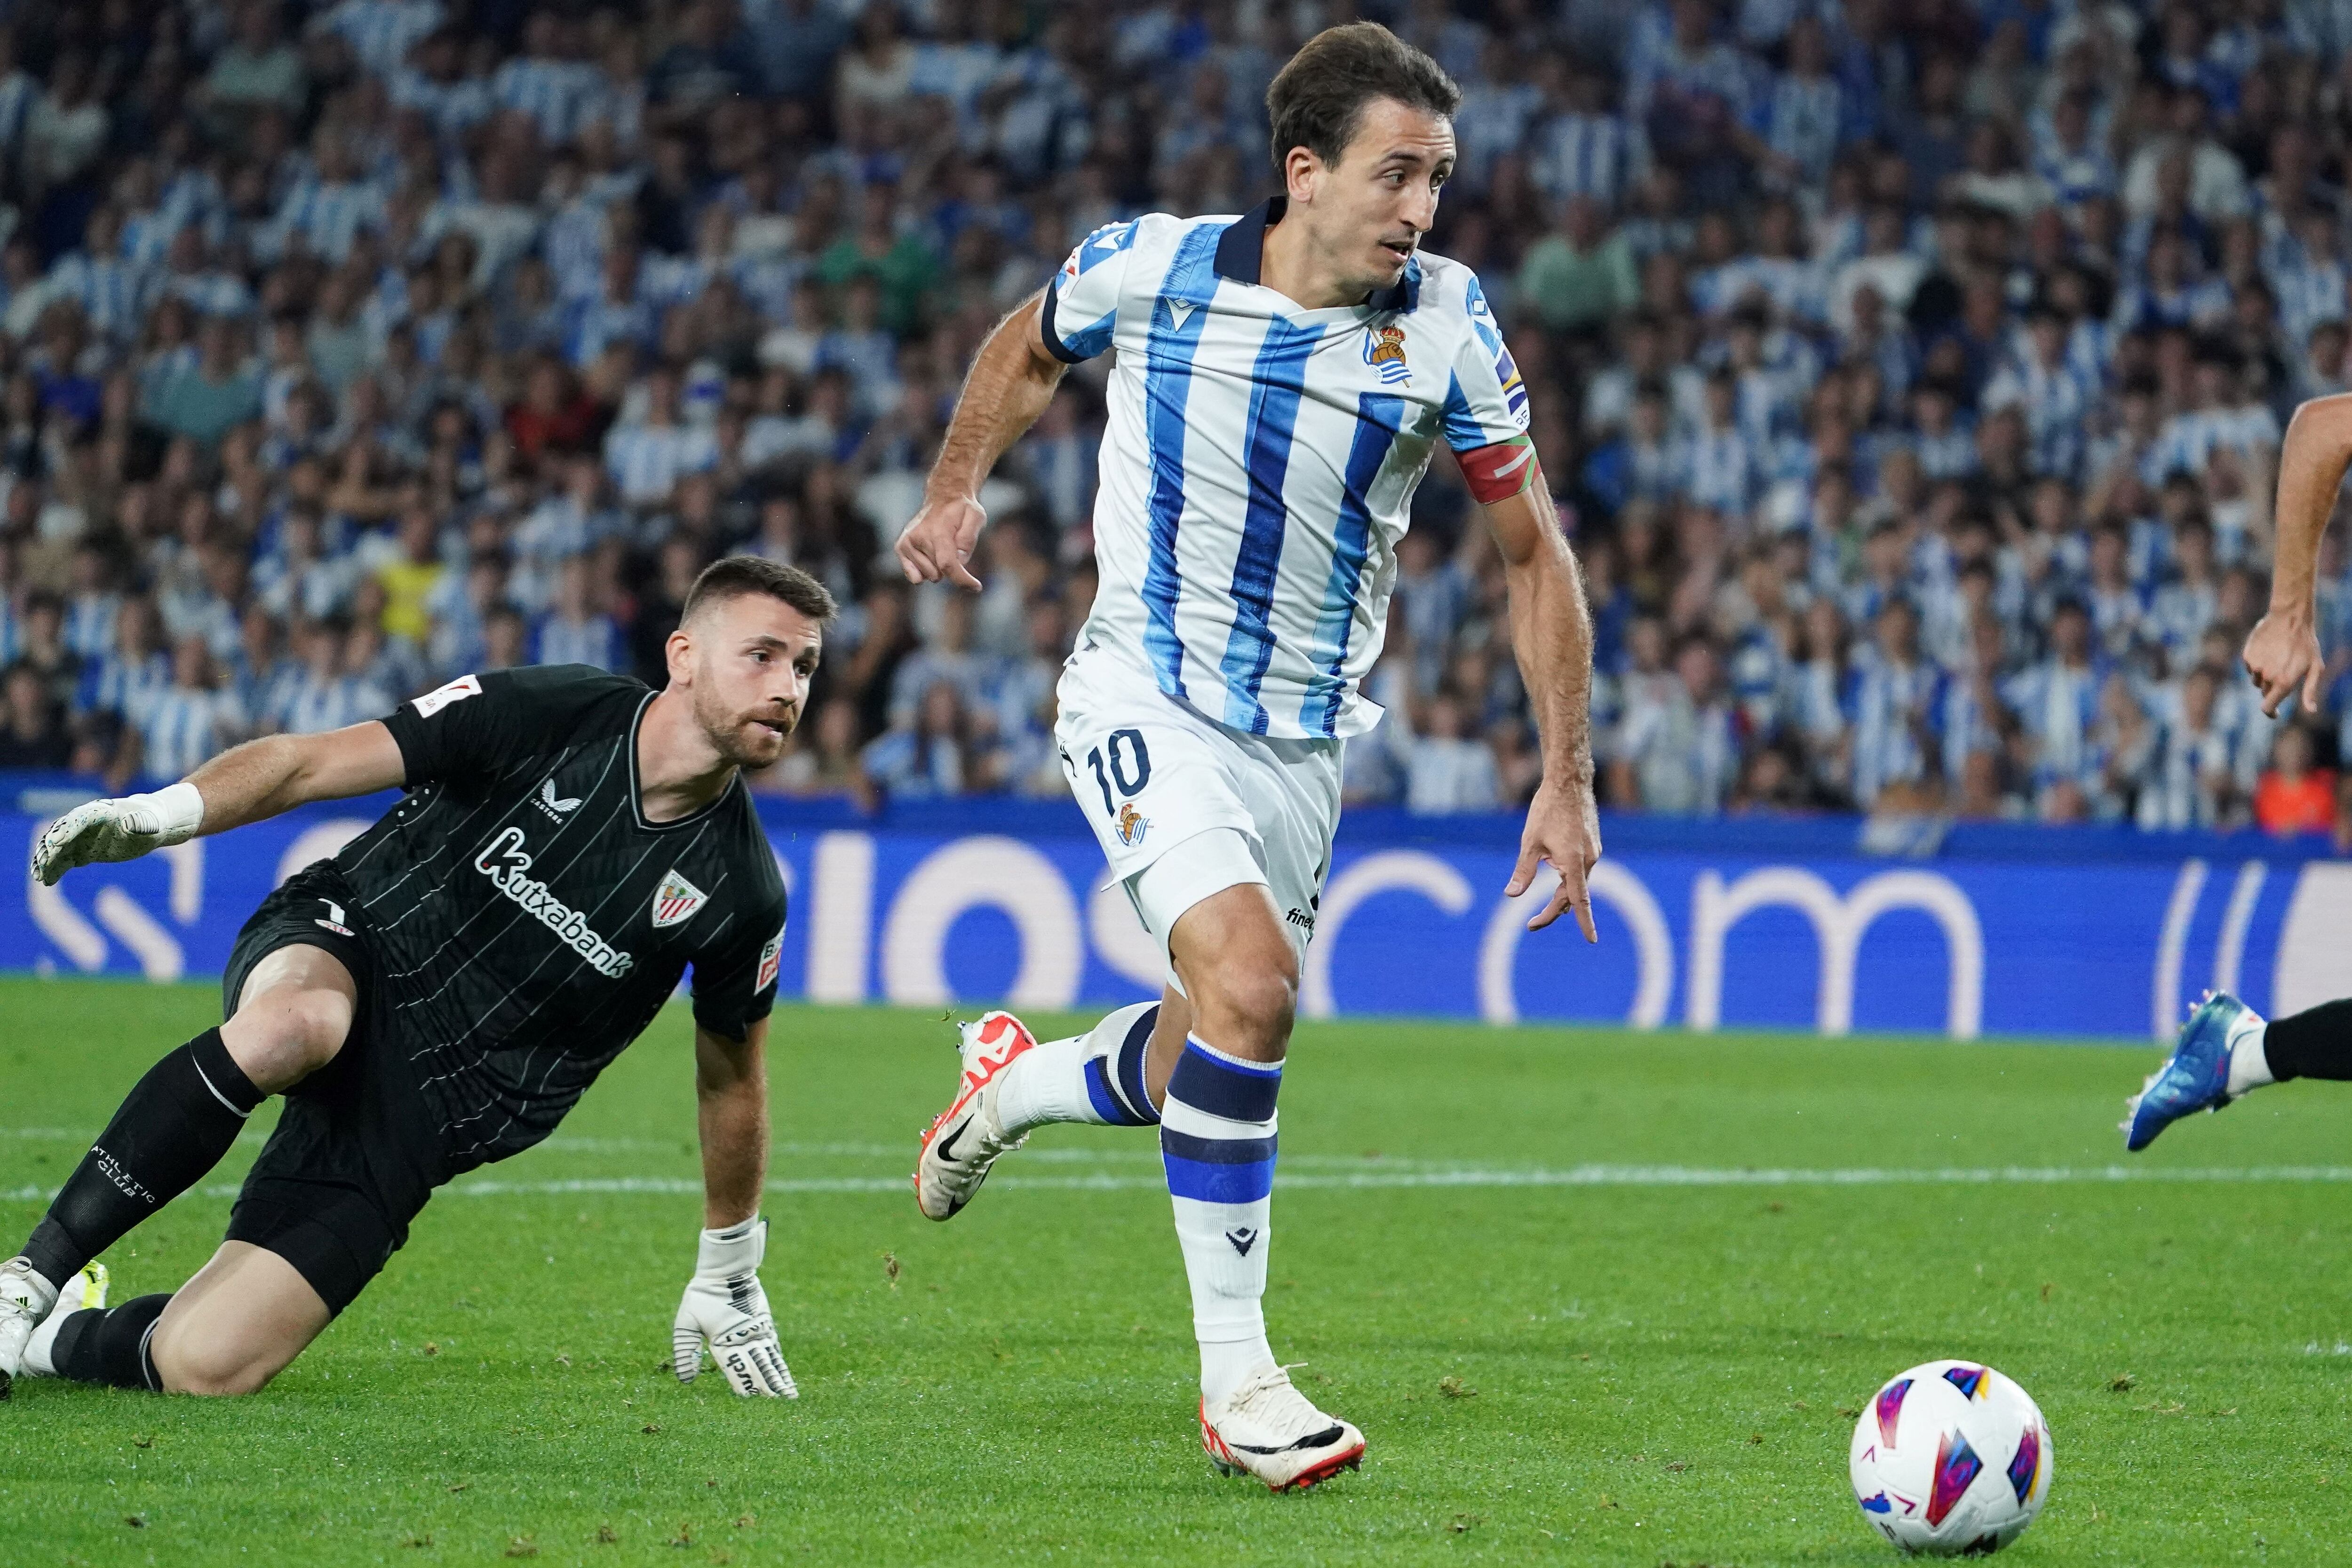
x,y
1951,1458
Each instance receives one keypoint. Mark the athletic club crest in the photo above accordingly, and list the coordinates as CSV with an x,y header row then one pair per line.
x,y
675,900
1131,824
1384,352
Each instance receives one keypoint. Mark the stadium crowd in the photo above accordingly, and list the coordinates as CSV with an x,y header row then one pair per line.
x,y
1910,374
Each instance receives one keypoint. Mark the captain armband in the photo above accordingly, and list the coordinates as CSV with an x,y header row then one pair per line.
x,y
1499,472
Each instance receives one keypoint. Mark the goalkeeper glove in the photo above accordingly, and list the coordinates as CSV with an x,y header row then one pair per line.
x,y
725,1305
118,829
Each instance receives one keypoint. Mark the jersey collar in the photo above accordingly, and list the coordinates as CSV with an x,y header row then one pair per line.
x,y
1241,252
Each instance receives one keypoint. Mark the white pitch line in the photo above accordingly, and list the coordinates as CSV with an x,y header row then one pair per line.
x,y
1443,1177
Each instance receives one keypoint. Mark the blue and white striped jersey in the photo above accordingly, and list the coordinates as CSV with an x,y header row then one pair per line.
x,y
185,728
380,32
551,92
1260,459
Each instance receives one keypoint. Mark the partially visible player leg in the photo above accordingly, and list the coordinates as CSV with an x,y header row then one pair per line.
x,y
1098,1077
245,1316
1217,1140
1217,1126
2314,1043
229,1330
1010,1083
2226,1050
295,1010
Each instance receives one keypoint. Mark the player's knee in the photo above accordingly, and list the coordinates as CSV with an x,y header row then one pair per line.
x,y
288,1033
188,1364
1257,1001
221,1379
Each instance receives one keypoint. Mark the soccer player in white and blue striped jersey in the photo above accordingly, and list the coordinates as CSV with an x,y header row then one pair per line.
x,y
192,720
1283,380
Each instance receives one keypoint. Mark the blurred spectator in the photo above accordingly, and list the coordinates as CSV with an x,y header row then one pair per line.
x,y
1675,753
207,401
193,719
574,630
1449,771
31,727
2291,795
929,753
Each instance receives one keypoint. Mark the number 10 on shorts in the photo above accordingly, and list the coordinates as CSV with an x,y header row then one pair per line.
x,y
1129,768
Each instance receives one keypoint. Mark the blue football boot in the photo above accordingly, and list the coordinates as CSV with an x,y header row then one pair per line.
x,y
2197,1078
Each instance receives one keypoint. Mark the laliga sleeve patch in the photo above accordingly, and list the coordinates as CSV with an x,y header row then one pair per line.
x,y
771,959
1499,472
457,691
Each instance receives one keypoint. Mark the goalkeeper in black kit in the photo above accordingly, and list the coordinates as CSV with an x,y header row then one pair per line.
x,y
440,994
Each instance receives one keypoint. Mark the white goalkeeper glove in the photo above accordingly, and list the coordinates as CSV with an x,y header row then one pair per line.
x,y
118,829
725,1305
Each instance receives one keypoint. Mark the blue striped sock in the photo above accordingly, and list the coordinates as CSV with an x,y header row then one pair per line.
x,y
1095,1077
1115,1078
1217,1142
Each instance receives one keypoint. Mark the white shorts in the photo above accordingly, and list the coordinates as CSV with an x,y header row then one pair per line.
x,y
1185,807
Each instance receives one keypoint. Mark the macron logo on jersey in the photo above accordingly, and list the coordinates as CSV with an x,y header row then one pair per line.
x,y
508,865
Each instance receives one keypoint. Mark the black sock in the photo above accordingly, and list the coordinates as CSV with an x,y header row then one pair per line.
x,y
175,1127
108,1344
2314,1043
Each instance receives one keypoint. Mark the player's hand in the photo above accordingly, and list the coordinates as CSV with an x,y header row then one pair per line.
x,y
725,1306
1563,828
937,543
2282,654
118,829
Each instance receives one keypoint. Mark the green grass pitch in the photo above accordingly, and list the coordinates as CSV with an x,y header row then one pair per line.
x,y
1635,1371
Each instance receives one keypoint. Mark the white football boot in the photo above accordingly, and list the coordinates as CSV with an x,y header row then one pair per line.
x,y
25,1300
85,1290
1267,1428
965,1138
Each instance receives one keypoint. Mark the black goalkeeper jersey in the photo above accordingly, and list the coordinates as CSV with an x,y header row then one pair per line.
x,y
526,921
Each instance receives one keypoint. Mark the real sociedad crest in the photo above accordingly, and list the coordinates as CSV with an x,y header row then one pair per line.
x,y
675,900
1384,352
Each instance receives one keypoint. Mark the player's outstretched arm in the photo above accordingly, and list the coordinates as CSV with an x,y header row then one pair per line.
x,y
725,1306
2283,652
1013,378
244,784
1552,632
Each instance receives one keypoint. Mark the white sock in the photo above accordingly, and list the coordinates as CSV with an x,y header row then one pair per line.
x,y
1225,1364
2249,1064
38,1349
1217,1136
1077,1079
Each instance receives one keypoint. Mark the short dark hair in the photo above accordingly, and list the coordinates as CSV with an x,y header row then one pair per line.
x,y
739,574
1318,99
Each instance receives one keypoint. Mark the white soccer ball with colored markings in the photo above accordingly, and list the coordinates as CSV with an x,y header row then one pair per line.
x,y
1951,1458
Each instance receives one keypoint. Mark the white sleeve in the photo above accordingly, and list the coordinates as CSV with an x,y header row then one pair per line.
x,y
1080,311
1485,401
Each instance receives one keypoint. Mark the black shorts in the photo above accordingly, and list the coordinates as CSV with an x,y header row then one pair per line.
x,y
352,1159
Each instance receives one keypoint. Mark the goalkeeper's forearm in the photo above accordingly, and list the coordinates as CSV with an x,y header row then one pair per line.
x,y
277,773
731,1114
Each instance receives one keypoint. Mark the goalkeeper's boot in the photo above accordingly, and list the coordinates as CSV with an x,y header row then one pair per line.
x,y
966,1137
2197,1078
1268,1429
26,1299
85,1292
